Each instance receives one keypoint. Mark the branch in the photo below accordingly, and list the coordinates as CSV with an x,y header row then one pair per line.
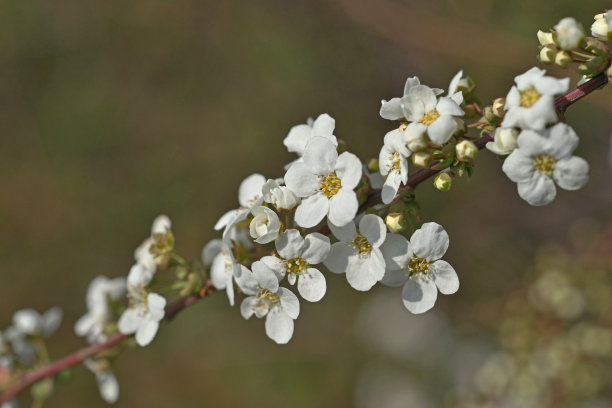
x,y
172,310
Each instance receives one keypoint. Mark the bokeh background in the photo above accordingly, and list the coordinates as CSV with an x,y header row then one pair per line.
x,y
114,112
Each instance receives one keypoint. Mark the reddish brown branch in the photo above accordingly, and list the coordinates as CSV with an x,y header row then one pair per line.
x,y
172,310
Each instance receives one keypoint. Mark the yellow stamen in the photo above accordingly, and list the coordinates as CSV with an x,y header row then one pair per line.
x,y
544,164
430,117
331,184
296,265
529,97
363,245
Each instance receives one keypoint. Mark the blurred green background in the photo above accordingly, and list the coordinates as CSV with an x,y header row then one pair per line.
x,y
114,112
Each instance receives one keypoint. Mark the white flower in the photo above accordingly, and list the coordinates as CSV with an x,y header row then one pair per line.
x,y
31,323
325,181
107,382
416,265
392,163
223,267
300,135
280,196
392,109
296,257
570,33
430,114
249,196
143,317
279,305
265,225
455,95
543,158
142,254
101,290
358,253
504,142
602,26
531,103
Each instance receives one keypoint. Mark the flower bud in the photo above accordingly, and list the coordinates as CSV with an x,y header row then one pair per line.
x,y
563,59
547,54
282,197
421,159
466,150
489,115
546,38
373,166
415,139
570,33
265,225
593,66
443,181
602,27
395,222
596,47
504,142
498,107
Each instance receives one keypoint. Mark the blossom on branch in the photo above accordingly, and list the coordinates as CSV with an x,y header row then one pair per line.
x,y
393,164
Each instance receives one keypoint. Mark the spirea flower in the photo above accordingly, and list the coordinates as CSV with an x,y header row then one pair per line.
x,y
392,164
392,109
543,158
325,182
143,254
249,196
107,382
430,114
416,265
358,252
279,305
223,268
300,135
602,26
31,323
504,142
143,317
296,257
570,33
453,88
101,290
530,104
281,197
265,225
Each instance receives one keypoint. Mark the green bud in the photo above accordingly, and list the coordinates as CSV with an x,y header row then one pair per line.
x,y
498,107
395,222
181,272
547,54
470,111
42,390
461,127
489,115
563,59
373,166
594,46
443,181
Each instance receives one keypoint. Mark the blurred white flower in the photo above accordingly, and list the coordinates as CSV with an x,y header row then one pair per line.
x,y
143,317
530,104
570,33
101,290
223,267
295,260
543,158
31,323
416,265
358,253
392,164
107,382
142,254
279,305
265,225
325,182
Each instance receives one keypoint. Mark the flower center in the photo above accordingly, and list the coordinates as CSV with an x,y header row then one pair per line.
x,y
418,266
296,265
331,184
430,117
529,97
267,297
544,164
395,162
363,245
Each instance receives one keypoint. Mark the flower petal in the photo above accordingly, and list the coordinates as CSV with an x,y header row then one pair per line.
x,y
247,307
447,106
338,259
146,332
540,190
312,285
156,305
518,167
363,273
419,294
129,321
342,207
279,326
345,233
444,276
312,210
430,241
289,302
373,228
394,277
250,188
572,173
392,184
297,138
348,168
319,156
300,179
397,251
316,248
562,141
289,244
442,129
265,277
391,110
324,126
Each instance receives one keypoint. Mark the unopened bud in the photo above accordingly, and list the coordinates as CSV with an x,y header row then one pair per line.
x,y
489,115
601,28
498,107
563,59
593,66
466,150
443,181
181,272
470,111
373,166
546,38
597,47
395,222
547,54
421,159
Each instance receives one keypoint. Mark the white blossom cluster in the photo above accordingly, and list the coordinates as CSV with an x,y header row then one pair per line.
x,y
283,218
